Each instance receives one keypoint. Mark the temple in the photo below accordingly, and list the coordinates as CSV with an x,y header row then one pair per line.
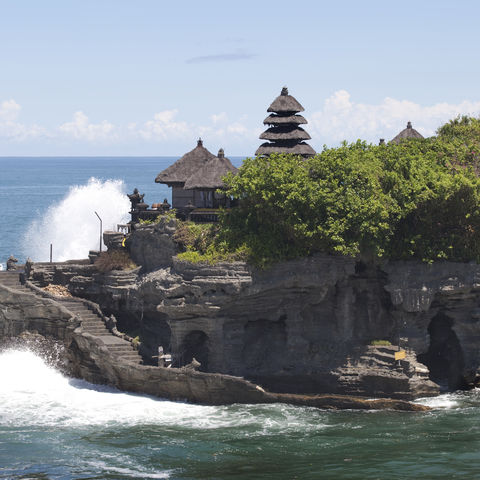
x,y
206,182
177,174
284,134
407,134
196,179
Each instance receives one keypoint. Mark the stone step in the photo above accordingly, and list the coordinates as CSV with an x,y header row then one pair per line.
x,y
122,353
133,355
91,316
127,346
76,309
125,354
92,319
96,331
93,323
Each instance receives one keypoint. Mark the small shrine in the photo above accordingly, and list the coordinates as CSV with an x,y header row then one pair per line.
x,y
177,174
208,180
285,135
195,179
407,134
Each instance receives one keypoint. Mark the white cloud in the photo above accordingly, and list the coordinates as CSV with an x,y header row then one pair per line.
x,y
13,130
238,129
81,129
9,110
219,118
343,119
163,127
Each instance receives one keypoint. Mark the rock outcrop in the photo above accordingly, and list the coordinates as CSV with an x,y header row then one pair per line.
x,y
95,356
317,325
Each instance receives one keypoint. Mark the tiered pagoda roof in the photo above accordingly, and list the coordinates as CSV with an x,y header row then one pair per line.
x,y
182,169
284,134
406,134
209,177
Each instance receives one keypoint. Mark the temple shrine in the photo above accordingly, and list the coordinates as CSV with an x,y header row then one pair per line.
x,y
407,134
284,134
196,178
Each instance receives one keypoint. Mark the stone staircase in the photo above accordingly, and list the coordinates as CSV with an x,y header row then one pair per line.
x,y
91,322
11,279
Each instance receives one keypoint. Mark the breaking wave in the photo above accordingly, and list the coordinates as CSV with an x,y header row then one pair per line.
x,y
71,225
34,394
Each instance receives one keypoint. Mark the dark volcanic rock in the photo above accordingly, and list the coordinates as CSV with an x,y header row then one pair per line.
x,y
152,246
304,326
93,359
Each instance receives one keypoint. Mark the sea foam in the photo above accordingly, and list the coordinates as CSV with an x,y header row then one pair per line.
x,y
33,394
71,225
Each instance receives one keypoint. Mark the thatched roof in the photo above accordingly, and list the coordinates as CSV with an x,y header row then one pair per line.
x,y
301,148
282,120
287,132
407,133
211,174
285,103
184,167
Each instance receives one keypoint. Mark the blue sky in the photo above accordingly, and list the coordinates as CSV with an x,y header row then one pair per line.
x,y
104,77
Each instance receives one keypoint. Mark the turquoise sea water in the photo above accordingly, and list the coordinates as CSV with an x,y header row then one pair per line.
x,y
52,427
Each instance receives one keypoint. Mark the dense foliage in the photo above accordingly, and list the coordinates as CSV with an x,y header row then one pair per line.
x,y
419,199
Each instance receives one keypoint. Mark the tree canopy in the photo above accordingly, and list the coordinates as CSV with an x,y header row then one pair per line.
x,y
419,199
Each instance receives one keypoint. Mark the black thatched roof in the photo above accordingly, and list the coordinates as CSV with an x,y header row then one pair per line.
x,y
282,120
301,148
184,167
285,103
287,132
407,133
211,174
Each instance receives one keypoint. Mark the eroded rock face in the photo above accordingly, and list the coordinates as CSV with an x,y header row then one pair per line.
x,y
300,327
152,246
437,309
91,359
304,326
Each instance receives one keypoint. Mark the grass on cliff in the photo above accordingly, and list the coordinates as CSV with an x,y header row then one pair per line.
x,y
114,260
201,243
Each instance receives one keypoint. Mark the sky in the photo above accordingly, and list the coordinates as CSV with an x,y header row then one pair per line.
x,y
148,77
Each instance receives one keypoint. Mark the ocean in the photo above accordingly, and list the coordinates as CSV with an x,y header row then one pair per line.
x,y
54,427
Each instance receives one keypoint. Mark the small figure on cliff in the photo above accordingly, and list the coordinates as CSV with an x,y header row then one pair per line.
x,y
165,205
12,263
28,267
135,198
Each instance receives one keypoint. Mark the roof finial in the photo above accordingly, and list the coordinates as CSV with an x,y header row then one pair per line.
x,y
199,143
284,91
409,125
221,153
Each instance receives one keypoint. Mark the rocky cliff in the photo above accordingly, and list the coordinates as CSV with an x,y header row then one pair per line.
x,y
322,324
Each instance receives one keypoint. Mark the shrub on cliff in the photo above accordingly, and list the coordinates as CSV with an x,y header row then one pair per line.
x,y
114,260
200,243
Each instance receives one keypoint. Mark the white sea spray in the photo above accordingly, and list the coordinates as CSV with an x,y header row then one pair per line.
x,y
71,225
